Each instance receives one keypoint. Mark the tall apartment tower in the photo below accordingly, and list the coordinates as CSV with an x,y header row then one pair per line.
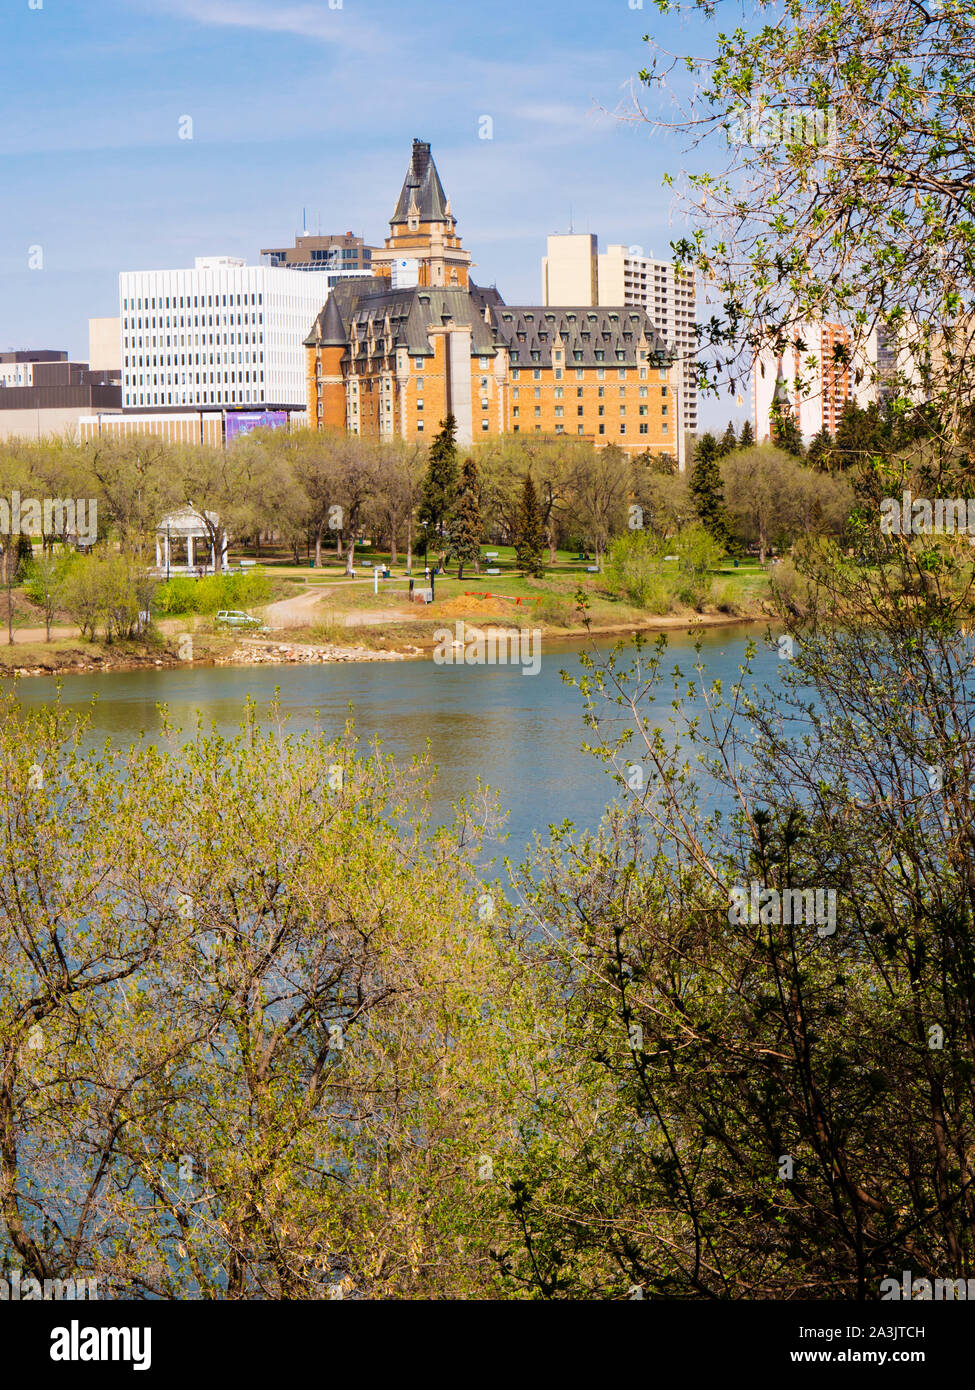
x,y
576,272
826,386
667,292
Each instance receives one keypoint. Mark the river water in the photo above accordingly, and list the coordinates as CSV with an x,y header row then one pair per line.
x,y
521,734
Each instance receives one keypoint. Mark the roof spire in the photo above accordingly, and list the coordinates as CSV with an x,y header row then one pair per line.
x,y
423,188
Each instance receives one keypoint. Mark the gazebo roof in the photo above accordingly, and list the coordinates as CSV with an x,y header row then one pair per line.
x,y
187,522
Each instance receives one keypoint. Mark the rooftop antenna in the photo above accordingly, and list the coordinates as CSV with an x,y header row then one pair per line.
x,y
570,219
304,221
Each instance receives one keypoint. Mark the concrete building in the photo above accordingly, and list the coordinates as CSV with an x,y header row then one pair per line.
x,y
44,395
207,351
807,379
223,335
329,253
570,271
575,272
391,358
105,345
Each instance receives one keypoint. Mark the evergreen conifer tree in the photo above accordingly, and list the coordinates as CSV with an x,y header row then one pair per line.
x,y
785,432
707,490
820,449
528,542
729,441
465,520
440,484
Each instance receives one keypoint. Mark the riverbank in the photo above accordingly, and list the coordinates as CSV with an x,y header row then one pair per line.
x,y
376,642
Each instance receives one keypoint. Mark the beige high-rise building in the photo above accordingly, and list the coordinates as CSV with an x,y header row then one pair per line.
x,y
570,270
105,345
576,272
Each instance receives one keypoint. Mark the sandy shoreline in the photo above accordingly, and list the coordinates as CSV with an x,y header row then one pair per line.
x,y
278,651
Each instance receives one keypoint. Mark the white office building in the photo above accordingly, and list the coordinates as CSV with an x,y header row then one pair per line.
x,y
223,336
575,271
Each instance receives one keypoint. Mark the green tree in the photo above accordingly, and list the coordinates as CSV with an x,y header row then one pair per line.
x,y
698,556
635,571
706,489
784,430
465,520
728,442
861,433
233,989
746,439
440,484
820,449
528,545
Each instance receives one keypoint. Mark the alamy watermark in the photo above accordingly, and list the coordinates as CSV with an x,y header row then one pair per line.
x,y
17,1287
756,905
760,126
921,516
497,646
50,516
926,1290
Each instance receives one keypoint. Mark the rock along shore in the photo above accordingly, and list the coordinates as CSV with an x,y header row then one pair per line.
x,y
302,653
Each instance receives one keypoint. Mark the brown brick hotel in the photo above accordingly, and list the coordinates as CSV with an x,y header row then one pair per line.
x,y
394,354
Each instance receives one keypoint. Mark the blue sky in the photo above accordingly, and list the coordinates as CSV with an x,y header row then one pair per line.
x,y
295,104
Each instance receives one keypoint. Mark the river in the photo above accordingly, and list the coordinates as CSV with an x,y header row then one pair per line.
x,y
521,734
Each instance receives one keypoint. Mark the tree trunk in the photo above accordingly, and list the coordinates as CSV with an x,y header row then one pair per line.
x,y
318,545
409,542
392,544
350,555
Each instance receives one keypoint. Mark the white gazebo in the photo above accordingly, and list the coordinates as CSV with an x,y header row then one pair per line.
x,y
185,543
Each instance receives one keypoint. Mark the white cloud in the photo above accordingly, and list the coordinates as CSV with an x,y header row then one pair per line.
x,y
309,21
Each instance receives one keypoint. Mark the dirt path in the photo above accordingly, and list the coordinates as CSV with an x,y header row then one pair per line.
x,y
293,612
300,610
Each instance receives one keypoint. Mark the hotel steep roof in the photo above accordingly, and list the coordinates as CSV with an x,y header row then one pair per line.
x,y
423,188
602,335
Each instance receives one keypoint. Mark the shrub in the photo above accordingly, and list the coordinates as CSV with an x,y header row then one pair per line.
x,y
698,555
726,599
183,594
635,572
107,590
557,610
